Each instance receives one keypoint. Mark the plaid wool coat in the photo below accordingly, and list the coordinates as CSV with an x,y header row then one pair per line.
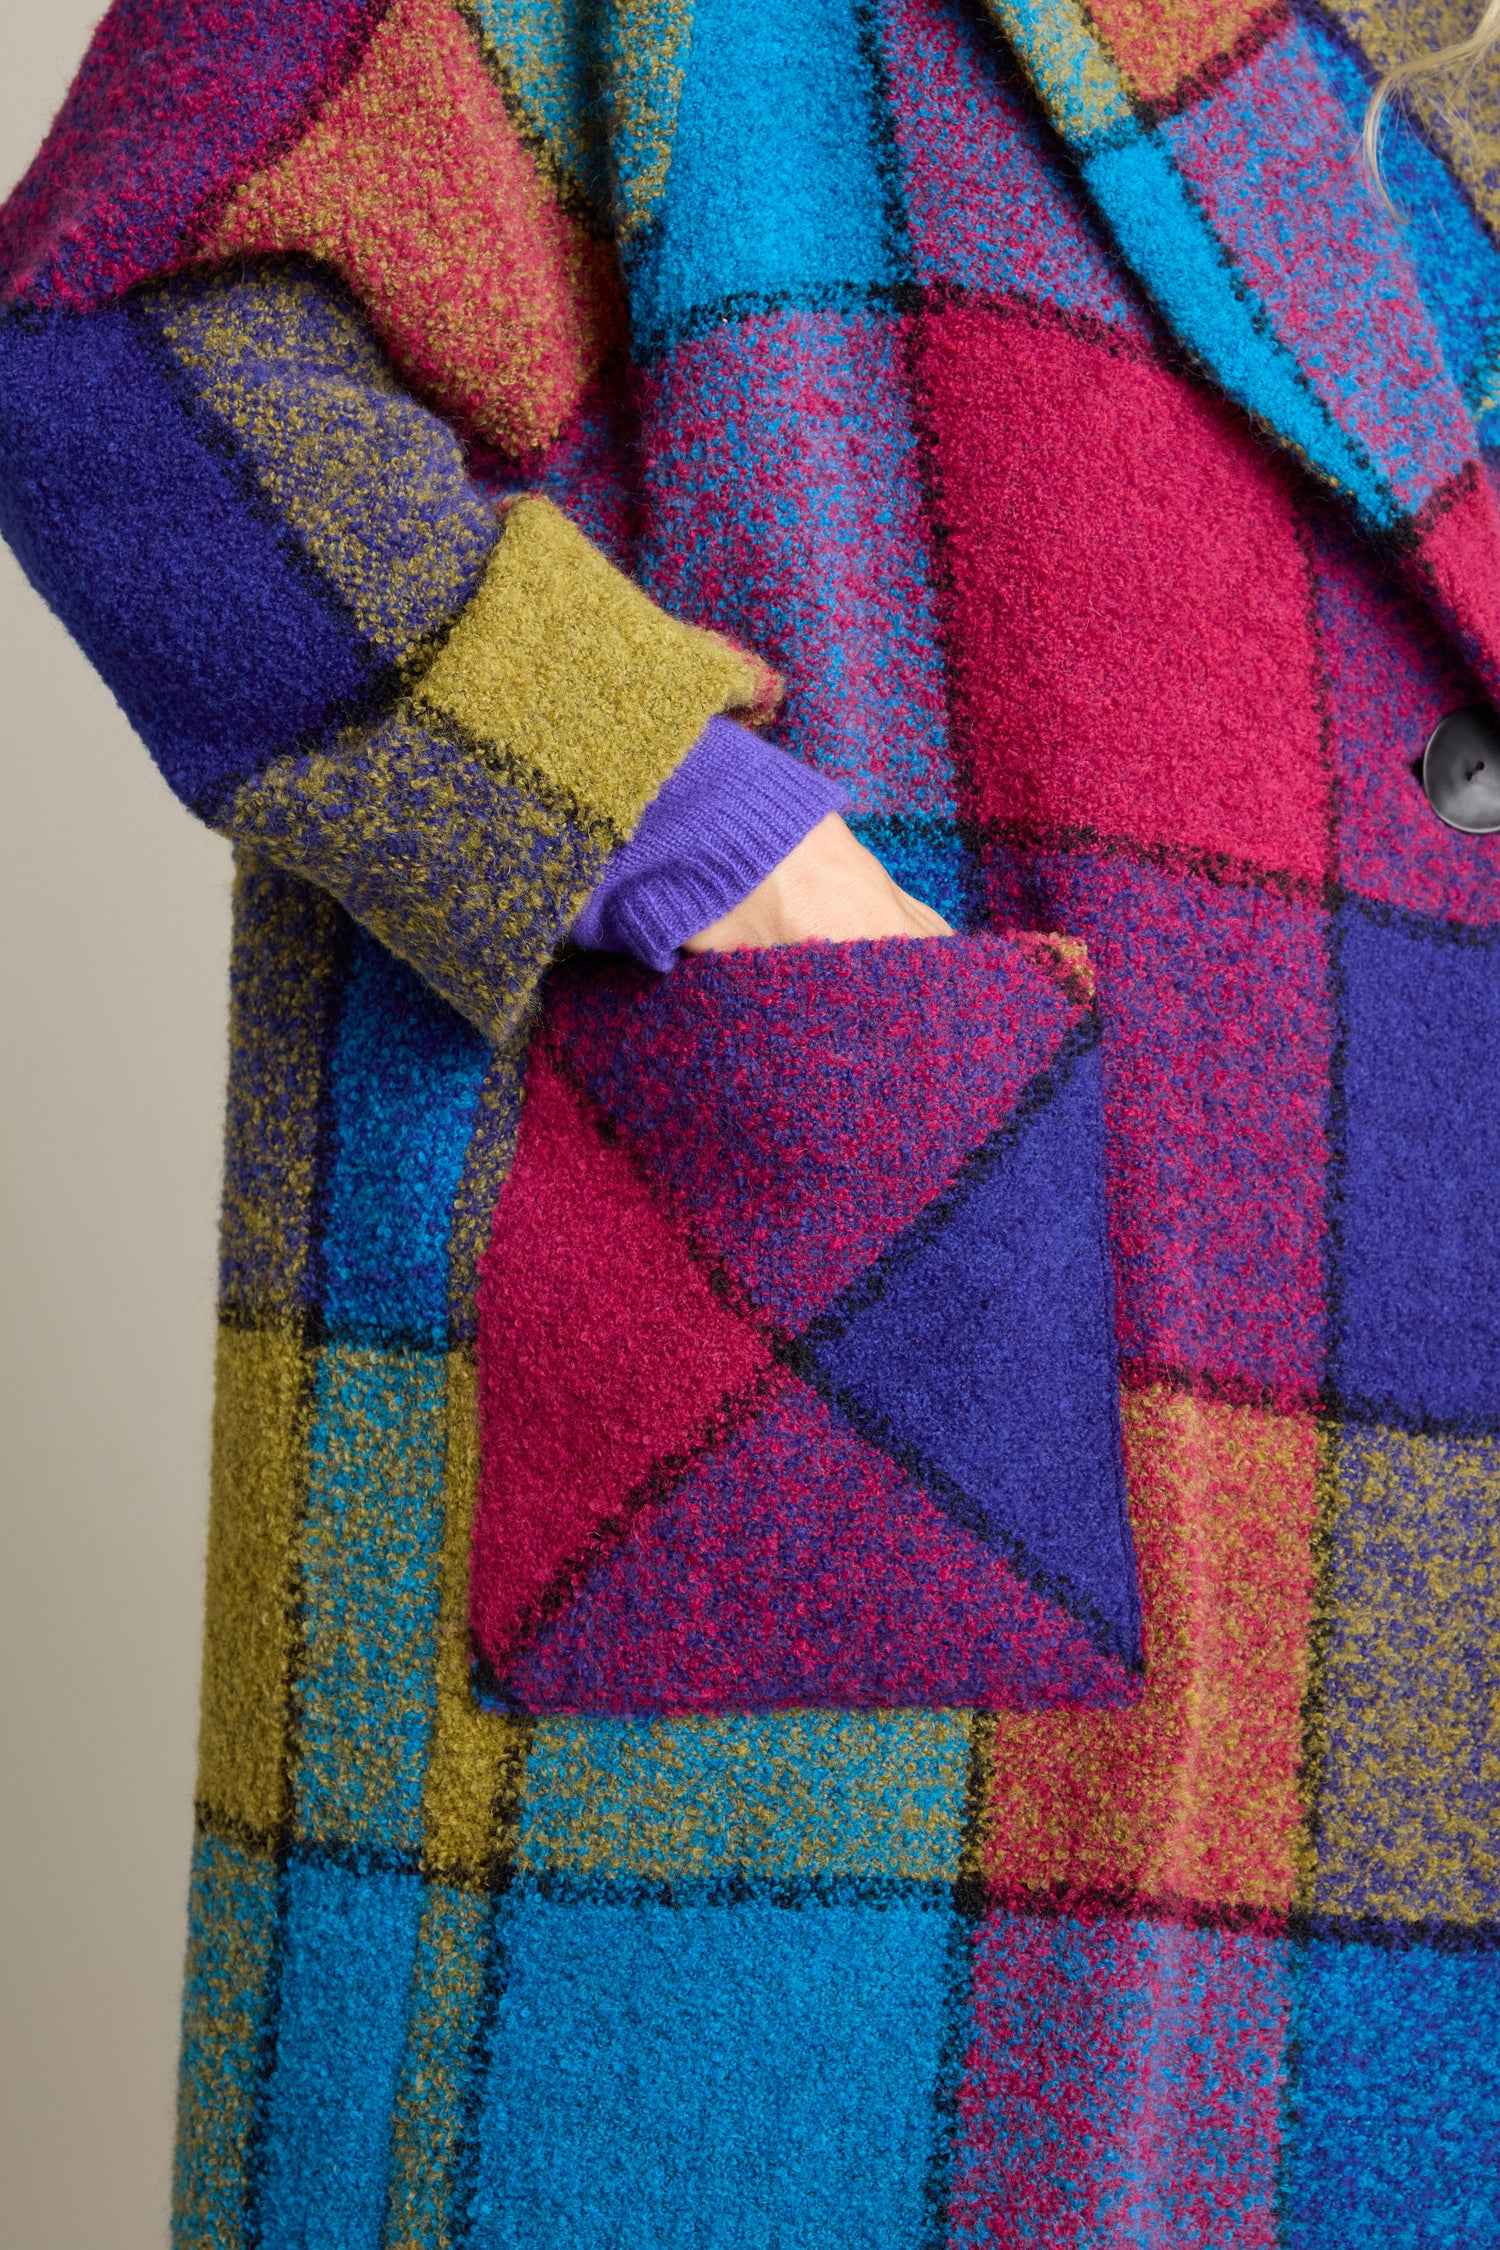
x,y
427,413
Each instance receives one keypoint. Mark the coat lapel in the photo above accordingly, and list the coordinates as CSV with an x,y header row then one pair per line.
x,y
1225,168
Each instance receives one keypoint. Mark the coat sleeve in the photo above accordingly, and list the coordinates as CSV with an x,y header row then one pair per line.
x,y
338,651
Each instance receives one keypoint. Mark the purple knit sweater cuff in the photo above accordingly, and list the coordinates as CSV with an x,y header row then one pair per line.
x,y
730,813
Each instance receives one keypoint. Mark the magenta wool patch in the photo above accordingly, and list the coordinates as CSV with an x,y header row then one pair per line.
x,y
797,1367
173,106
1215,1121
1086,493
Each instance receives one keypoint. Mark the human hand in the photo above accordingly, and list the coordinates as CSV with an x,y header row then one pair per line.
x,y
828,887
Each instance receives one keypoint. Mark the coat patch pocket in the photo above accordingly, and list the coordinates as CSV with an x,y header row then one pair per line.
x,y
796,1342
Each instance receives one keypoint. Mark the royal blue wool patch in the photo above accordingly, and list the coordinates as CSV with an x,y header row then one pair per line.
x,y
1397,2100
219,642
984,1350
1416,1334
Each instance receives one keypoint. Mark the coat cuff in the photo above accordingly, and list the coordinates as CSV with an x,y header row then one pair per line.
x,y
468,828
728,814
564,662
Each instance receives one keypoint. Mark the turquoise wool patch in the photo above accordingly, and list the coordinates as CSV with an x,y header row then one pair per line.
x,y
371,1553
231,1945
349,1941
744,2075
546,49
1171,246
782,202
934,861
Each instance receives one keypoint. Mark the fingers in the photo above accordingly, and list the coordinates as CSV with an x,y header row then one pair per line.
x,y
829,887
923,919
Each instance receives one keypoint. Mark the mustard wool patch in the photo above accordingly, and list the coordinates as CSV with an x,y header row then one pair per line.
x,y
785,1796
563,662
1070,67
467,829
464,863
258,1477
1159,50
1410,1769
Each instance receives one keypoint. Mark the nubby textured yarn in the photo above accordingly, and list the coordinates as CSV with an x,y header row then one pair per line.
x,y
427,416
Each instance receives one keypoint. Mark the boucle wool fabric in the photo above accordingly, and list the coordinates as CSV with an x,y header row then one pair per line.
x,y
796,1358
418,412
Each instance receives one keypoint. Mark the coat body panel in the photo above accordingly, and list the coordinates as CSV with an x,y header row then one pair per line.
x,y
1115,509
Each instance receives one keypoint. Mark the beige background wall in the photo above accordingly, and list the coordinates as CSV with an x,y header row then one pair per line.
x,y
113,934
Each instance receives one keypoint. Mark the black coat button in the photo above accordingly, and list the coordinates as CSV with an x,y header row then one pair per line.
x,y
1461,771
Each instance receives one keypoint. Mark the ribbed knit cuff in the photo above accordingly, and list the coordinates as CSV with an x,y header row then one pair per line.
x,y
728,814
